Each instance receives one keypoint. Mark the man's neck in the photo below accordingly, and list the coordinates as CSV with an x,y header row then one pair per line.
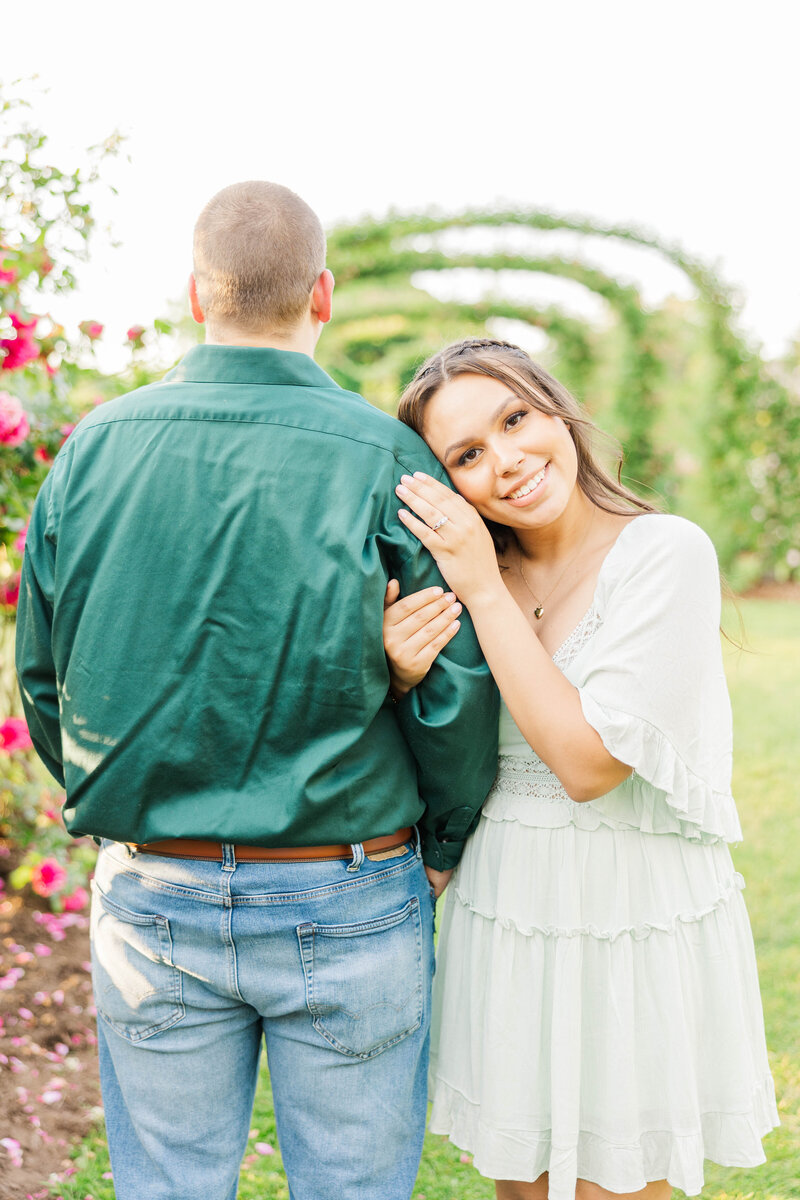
x,y
302,340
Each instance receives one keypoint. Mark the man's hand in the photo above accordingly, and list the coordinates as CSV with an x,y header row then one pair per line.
x,y
438,879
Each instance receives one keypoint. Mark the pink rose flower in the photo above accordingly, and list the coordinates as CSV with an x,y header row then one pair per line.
x,y
14,735
8,276
20,349
19,541
41,455
14,425
9,591
48,877
92,329
76,901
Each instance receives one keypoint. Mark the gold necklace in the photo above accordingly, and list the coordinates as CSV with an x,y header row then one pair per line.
x,y
538,612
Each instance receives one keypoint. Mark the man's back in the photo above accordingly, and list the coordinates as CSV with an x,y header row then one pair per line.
x,y
199,648
220,547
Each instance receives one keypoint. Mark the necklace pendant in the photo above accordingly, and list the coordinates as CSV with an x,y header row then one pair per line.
x,y
538,612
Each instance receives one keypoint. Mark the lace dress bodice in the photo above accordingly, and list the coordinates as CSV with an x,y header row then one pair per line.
x,y
521,772
634,689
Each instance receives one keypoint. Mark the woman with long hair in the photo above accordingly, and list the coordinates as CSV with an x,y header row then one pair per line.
x,y
598,1025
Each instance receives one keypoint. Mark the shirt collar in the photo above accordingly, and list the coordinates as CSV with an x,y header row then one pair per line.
x,y
248,364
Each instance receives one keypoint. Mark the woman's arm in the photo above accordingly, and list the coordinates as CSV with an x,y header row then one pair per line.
x,y
544,704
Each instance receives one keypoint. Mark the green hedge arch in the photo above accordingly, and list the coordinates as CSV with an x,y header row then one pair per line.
x,y
747,423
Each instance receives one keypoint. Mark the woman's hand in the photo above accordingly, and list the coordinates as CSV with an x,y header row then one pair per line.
x,y
454,533
415,629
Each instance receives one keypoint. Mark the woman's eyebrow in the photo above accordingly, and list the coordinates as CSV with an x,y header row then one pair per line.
x,y
494,417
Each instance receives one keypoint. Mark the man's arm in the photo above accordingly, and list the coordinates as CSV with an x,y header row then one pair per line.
x,y
450,722
36,670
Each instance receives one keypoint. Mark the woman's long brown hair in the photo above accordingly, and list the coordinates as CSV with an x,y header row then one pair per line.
x,y
511,366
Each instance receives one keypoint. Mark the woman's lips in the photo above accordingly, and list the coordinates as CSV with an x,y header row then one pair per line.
x,y
535,483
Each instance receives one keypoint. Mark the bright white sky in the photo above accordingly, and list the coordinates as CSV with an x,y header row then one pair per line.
x,y
680,117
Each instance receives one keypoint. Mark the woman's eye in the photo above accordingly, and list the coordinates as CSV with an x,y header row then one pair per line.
x,y
514,419
468,457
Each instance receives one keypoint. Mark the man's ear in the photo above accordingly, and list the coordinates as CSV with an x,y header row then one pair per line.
x,y
322,297
197,311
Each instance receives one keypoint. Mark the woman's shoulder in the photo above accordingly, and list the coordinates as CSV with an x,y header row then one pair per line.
x,y
667,533
661,547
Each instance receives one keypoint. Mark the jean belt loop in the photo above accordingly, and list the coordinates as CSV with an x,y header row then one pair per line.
x,y
228,857
358,856
418,842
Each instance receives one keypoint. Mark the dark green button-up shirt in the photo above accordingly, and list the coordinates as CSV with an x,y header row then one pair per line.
x,y
199,630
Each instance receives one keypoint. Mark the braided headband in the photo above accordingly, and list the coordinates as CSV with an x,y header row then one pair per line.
x,y
471,344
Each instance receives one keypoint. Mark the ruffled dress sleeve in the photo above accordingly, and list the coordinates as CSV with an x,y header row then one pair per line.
x,y
652,683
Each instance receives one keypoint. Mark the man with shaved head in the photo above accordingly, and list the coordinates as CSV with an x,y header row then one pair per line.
x,y
201,662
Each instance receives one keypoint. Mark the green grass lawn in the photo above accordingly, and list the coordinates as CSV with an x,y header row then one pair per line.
x,y
765,687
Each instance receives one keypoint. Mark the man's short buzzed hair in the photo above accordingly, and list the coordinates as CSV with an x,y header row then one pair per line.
x,y
258,250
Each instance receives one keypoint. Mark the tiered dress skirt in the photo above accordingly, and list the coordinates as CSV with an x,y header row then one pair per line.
x,y
597,1012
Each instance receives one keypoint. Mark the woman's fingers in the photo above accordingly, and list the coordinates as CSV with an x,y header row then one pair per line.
x,y
415,603
409,620
420,530
428,512
392,593
417,640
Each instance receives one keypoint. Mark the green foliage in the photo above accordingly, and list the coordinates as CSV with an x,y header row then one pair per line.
x,y
707,425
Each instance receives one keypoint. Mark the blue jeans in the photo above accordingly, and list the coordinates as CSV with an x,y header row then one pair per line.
x,y
331,961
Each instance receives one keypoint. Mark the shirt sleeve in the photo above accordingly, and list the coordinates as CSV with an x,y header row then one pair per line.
x,y
36,670
449,721
654,686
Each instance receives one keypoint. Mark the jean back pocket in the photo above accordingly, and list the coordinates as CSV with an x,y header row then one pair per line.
x,y
365,982
137,988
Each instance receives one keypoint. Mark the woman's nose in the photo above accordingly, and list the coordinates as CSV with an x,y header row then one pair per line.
x,y
508,459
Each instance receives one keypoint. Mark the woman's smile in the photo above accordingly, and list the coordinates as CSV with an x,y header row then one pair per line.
x,y
529,491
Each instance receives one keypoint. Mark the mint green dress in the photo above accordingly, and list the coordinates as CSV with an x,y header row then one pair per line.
x,y
597,1012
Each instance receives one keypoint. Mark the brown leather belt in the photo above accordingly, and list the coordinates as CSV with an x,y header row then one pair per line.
x,y
191,848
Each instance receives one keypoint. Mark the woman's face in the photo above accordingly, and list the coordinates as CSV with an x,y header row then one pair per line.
x,y
516,465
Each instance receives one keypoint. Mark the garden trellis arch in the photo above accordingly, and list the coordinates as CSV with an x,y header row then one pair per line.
x,y
385,326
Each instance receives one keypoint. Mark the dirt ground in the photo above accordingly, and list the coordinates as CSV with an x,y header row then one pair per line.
x,y
770,590
49,1090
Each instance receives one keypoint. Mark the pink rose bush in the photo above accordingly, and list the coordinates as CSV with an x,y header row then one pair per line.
x,y
92,329
20,348
9,592
14,424
47,383
48,877
14,736
55,866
